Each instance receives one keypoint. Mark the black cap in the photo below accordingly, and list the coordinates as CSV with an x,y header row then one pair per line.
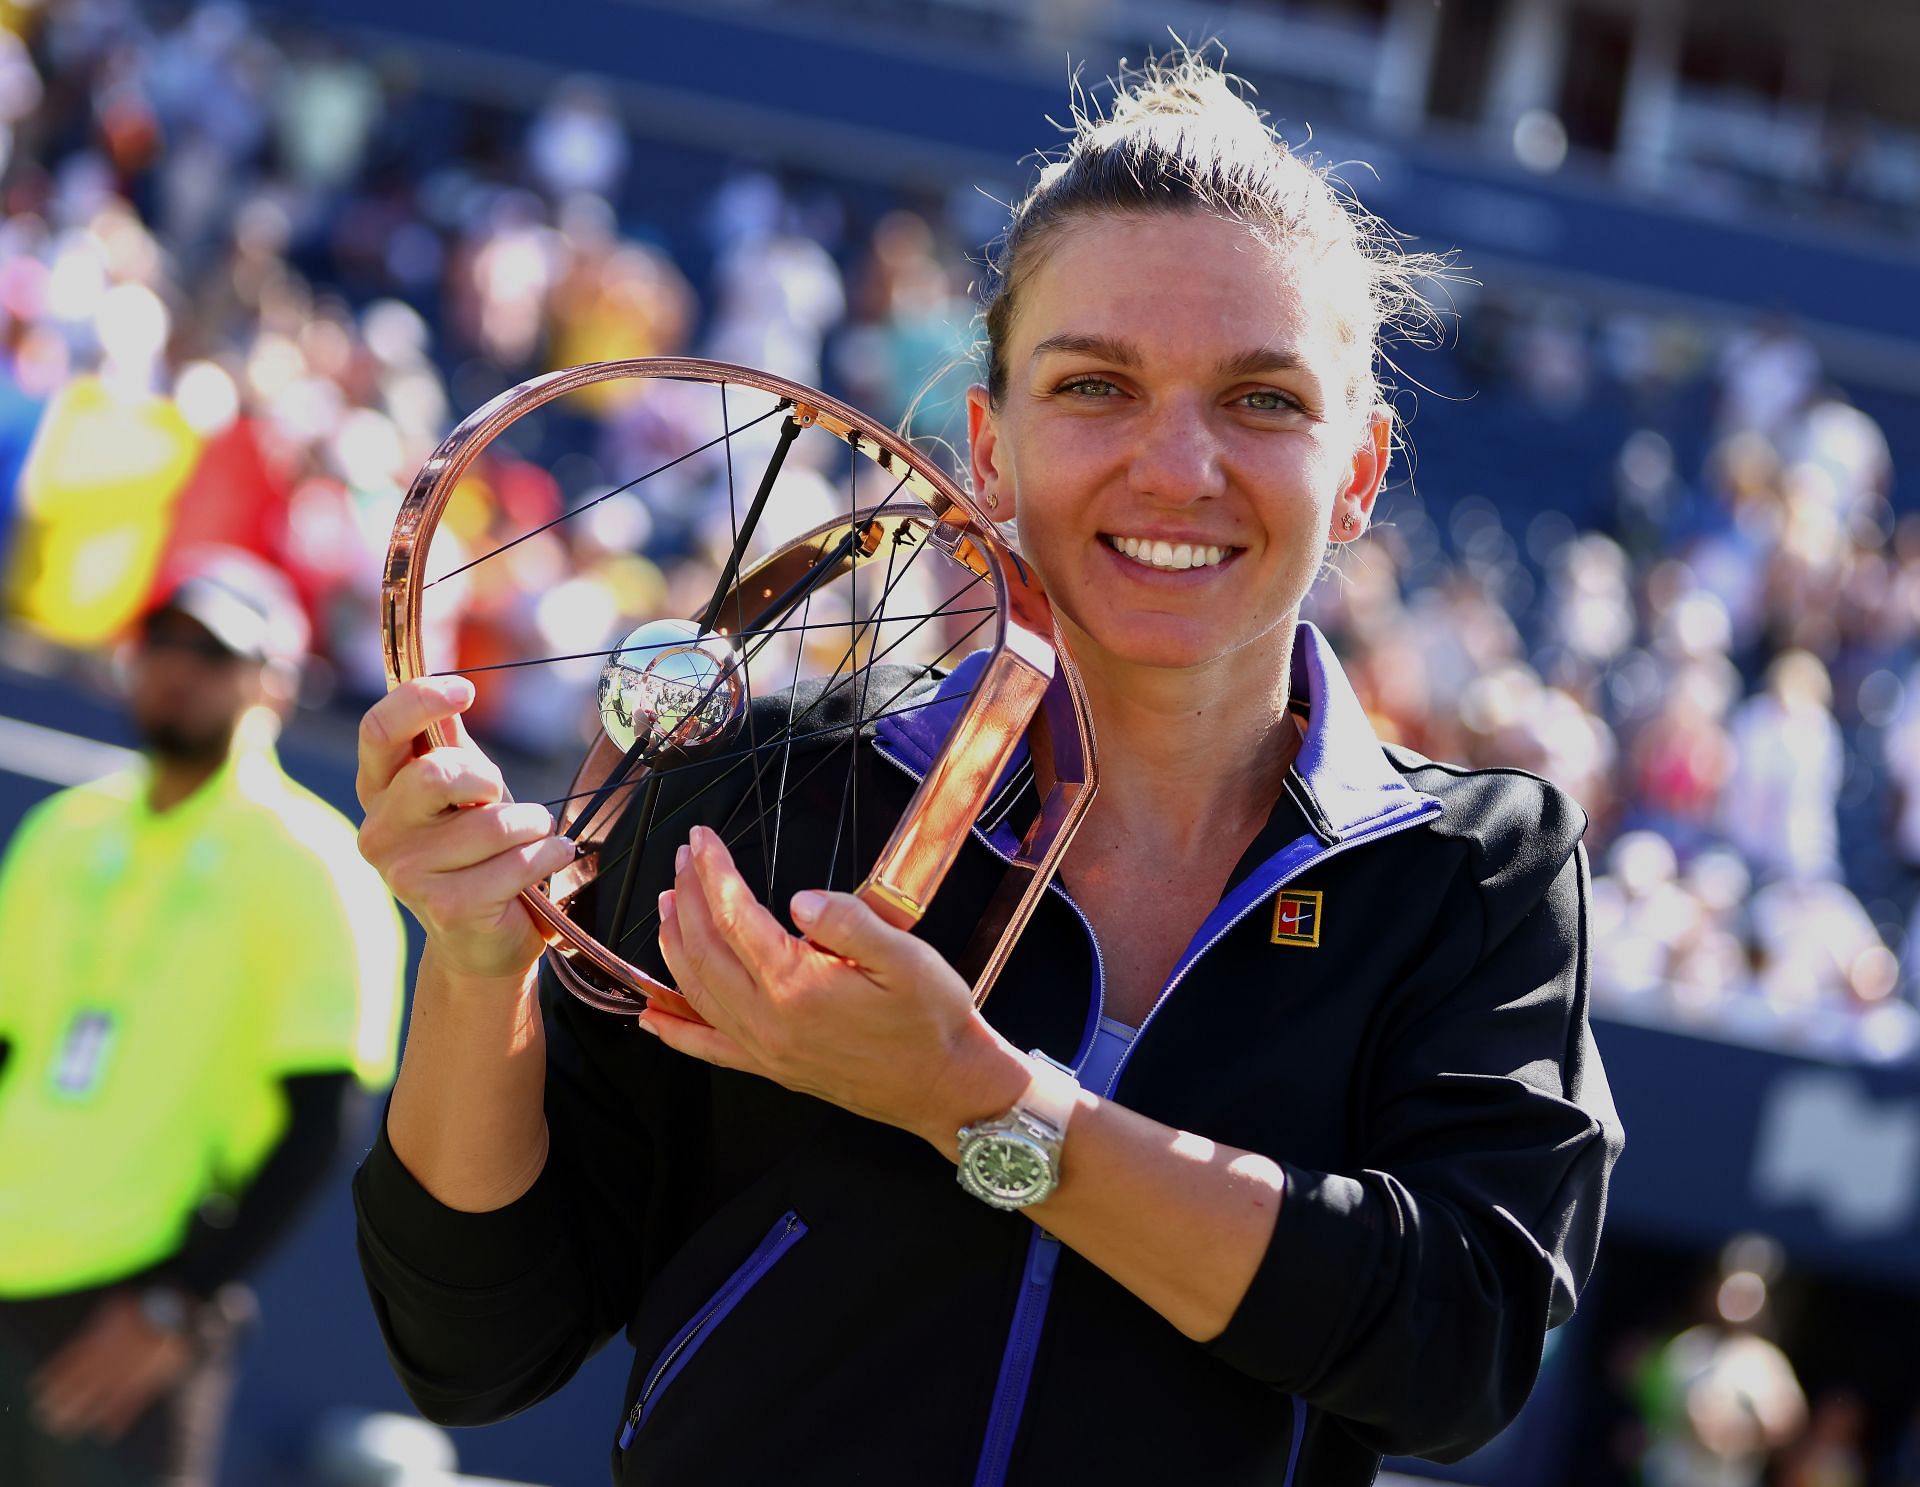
x,y
244,602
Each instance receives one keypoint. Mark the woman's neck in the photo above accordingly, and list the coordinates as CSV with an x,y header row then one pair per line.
x,y
1187,756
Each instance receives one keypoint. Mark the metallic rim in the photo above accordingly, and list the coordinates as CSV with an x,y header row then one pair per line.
x,y
1028,678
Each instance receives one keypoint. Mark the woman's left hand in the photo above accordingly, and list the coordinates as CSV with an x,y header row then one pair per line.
x,y
859,1013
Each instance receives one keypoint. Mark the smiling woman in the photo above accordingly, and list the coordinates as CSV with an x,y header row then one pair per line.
x,y
1311,1145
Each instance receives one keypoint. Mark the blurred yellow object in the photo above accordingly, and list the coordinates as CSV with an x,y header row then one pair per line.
x,y
166,971
96,503
21,18
473,510
632,302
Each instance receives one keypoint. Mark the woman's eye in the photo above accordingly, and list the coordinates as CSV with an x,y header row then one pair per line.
x,y
1266,400
1090,387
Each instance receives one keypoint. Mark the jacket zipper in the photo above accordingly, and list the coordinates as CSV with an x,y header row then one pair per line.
x,y
1043,1250
1299,1437
1016,1363
1043,1253
687,1341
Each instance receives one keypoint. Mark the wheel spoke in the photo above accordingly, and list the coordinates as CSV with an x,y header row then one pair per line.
x,y
789,791
827,757
743,534
589,505
649,803
740,538
761,633
744,759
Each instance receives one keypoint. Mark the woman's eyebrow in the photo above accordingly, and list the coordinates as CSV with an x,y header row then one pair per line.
x,y
1121,353
1107,348
1261,360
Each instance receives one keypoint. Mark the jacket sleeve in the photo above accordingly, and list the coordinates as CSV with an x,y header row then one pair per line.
x,y
1411,1297
485,1314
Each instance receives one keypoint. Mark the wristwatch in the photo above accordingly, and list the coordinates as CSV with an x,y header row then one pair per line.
x,y
167,1309
1013,1160
202,1321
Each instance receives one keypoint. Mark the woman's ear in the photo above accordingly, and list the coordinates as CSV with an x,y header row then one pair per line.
x,y
1353,508
992,486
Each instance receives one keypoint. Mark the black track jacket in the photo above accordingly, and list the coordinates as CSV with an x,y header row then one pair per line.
x,y
1390,1000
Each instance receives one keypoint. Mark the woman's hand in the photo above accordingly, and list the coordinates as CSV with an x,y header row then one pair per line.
x,y
860,1013
441,831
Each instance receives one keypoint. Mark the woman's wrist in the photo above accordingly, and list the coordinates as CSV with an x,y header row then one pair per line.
x,y
984,1076
445,970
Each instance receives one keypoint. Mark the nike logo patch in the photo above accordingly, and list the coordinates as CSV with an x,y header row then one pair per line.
x,y
1296,917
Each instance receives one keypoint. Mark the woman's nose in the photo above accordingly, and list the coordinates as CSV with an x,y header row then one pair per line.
x,y
1177,458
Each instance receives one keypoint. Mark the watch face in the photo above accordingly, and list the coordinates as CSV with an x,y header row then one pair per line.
x,y
164,1310
1007,1169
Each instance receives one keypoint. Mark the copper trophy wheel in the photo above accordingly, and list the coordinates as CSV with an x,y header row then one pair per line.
x,y
832,579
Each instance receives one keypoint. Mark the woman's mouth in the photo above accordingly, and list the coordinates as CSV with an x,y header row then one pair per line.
x,y
1165,556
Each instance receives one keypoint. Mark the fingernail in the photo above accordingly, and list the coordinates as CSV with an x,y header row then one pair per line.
x,y
680,858
667,910
806,906
456,689
647,1027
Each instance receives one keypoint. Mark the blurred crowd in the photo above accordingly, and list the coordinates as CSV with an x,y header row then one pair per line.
x,y
1721,667
248,279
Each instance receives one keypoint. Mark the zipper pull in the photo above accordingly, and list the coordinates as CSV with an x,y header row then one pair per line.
x,y
633,1424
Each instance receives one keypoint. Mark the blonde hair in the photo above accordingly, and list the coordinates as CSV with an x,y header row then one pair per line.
x,y
1179,136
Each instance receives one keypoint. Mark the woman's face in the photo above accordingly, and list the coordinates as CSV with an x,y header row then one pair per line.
x,y
1176,439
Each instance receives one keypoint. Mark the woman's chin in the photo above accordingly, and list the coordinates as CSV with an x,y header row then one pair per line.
x,y
1158,646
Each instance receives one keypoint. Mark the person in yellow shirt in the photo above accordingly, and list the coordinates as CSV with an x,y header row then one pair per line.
x,y
199,976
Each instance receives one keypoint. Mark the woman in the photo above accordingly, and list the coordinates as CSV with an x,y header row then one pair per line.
x,y
1333,1153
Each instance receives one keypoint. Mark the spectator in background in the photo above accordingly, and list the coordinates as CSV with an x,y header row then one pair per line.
x,y
907,348
577,144
1847,446
1682,758
199,974
1767,373
1902,763
1778,807
1720,1399
778,291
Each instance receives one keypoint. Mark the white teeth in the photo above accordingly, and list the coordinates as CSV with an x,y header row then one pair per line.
x,y
1169,555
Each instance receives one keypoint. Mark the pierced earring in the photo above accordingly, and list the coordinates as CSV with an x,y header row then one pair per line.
x,y
993,501
1347,523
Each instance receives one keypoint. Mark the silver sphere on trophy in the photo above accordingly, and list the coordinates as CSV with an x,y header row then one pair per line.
x,y
671,687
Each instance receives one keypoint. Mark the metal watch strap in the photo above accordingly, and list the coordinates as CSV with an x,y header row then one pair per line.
x,y
1050,1095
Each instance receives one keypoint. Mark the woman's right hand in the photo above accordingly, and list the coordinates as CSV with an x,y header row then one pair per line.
x,y
441,831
